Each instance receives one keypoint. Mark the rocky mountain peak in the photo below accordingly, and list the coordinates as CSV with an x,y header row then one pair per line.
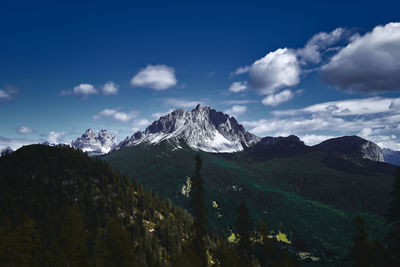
x,y
198,107
95,143
202,128
353,145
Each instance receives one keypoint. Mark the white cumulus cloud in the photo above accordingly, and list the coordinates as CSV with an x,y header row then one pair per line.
x,y
110,88
84,89
156,77
274,71
368,64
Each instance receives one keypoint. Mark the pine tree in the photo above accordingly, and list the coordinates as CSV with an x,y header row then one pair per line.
x,y
393,220
199,212
362,248
264,251
244,229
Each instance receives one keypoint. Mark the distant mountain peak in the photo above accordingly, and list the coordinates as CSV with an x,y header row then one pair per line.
x,y
202,128
353,145
391,156
95,143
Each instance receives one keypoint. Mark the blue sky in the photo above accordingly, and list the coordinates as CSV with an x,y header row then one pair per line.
x,y
308,68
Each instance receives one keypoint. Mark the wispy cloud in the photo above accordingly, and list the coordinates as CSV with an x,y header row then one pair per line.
x,y
139,124
238,101
25,130
279,98
116,115
7,93
241,70
237,87
236,110
160,114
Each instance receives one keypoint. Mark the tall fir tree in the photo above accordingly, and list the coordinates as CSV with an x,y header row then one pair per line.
x,y
361,252
393,220
244,227
199,212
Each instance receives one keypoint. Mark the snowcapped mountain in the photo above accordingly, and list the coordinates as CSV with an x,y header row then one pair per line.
x,y
202,128
95,143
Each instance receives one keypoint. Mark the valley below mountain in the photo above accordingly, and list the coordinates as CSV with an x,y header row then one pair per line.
x,y
311,193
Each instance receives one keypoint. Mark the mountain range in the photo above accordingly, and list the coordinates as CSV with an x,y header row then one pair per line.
x,y
297,189
310,193
206,129
95,143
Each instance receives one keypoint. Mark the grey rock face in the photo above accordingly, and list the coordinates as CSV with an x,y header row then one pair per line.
x,y
371,151
202,128
353,145
95,144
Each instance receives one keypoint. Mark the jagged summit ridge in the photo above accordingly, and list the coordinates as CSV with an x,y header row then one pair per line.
x,y
202,128
95,143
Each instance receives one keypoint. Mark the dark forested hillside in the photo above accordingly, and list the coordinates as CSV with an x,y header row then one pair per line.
x,y
61,208
58,207
310,195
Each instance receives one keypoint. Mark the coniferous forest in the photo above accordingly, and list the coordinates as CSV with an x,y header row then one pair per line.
x,y
60,207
